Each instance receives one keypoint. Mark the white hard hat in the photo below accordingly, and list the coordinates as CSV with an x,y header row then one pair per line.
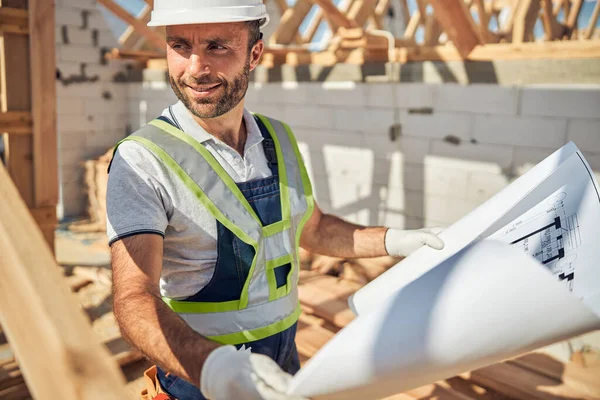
x,y
181,12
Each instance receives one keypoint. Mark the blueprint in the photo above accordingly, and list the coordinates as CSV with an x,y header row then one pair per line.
x,y
519,272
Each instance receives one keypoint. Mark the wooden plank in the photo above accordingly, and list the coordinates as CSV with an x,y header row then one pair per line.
x,y
15,96
130,38
16,122
43,88
582,379
311,30
592,23
151,36
47,324
573,15
14,20
334,14
310,338
325,304
413,25
526,14
519,383
551,26
290,22
361,10
455,18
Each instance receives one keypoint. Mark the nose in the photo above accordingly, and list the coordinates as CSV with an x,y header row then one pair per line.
x,y
198,66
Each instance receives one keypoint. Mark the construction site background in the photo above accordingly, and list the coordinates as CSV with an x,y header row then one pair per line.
x,y
419,144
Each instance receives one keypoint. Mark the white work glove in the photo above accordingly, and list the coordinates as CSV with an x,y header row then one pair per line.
x,y
402,243
230,374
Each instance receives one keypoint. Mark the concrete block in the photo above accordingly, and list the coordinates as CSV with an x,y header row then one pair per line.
x,y
415,95
345,195
107,38
568,101
349,164
477,98
68,16
482,186
73,200
380,95
78,53
105,73
80,4
98,142
71,140
585,133
482,156
338,94
273,111
282,93
407,202
520,131
398,220
413,150
445,181
71,174
102,107
368,120
68,106
79,37
318,138
71,157
74,123
446,209
438,125
528,157
308,116
96,20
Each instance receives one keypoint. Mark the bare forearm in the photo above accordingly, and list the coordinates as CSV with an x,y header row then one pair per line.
x,y
151,326
332,236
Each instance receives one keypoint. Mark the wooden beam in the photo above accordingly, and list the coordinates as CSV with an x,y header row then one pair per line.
x,y
593,20
573,15
526,15
361,10
16,122
290,22
455,18
14,20
552,28
334,14
43,89
150,3
130,38
151,36
47,324
484,21
314,25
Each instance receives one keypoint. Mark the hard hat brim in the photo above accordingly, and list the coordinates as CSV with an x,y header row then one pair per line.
x,y
184,17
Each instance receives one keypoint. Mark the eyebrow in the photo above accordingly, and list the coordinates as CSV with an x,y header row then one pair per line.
x,y
210,40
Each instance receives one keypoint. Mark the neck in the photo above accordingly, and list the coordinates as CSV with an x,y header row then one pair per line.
x,y
228,128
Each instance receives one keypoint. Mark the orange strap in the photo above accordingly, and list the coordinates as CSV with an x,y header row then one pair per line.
x,y
153,390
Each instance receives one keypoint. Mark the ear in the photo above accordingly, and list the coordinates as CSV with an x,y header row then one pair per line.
x,y
256,54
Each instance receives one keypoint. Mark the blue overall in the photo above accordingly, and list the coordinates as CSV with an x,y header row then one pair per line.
x,y
234,259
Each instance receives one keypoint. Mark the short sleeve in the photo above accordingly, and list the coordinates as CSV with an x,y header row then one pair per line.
x,y
136,202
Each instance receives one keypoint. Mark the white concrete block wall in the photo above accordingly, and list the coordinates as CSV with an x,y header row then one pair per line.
x,y
92,109
458,145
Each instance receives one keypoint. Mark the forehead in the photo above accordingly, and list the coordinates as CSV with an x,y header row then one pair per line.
x,y
198,32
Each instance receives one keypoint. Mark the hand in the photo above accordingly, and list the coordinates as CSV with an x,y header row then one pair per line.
x,y
402,243
238,374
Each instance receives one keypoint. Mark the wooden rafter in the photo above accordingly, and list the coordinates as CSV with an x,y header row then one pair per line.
x,y
14,20
151,36
552,28
131,36
593,20
455,18
332,13
573,15
526,14
290,22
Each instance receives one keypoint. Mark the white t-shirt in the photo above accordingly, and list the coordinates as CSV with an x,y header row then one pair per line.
x,y
143,196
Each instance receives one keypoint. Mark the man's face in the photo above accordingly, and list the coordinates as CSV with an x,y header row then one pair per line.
x,y
209,66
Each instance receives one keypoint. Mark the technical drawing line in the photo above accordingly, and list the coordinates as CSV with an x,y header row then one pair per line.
x,y
556,224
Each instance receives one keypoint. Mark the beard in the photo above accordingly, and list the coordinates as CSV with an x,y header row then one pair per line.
x,y
232,92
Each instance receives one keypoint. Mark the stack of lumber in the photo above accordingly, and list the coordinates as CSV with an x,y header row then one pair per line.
x,y
95,181
92,288
533,376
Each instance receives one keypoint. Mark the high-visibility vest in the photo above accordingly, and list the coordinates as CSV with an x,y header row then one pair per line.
x,y
263,309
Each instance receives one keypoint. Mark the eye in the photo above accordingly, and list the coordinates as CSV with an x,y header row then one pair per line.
x,y
216,46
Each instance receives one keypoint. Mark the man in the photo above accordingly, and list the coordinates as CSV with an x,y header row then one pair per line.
x,y
206,208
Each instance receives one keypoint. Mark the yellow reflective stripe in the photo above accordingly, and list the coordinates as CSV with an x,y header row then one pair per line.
x,y
206,202
286,210
278,262
260,333
308,195
189,307
210,159
275,292
276,228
